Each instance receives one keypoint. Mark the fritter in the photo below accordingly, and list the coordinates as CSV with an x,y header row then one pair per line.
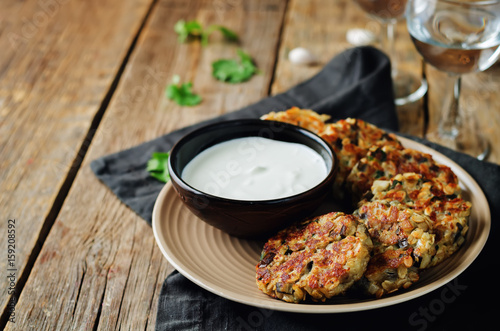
x,y
384,162
402,242
392,224
388,272
317,258
305,118
351,139
440,201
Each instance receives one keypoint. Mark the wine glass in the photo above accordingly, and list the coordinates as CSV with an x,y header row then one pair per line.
x,y
407,87
457,37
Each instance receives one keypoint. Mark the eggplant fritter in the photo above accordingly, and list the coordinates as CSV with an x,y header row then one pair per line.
x,y
402,242
392,224
305,118
317,258
351,139
388,272
440,201
387,161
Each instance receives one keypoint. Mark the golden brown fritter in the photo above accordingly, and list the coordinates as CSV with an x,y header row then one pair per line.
x,y
387,161
402,242
388,272
351,139
440,201
305,118
318,258
392,224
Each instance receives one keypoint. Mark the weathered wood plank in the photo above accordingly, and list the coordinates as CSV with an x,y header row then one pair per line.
x,y
58,61
100,266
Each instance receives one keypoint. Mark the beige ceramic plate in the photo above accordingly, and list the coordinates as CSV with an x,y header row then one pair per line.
x,y
225,265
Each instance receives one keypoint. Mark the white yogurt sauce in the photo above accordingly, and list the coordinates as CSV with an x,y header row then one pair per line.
x,y
255,168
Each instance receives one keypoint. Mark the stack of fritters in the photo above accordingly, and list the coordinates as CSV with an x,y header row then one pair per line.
x,y
410,216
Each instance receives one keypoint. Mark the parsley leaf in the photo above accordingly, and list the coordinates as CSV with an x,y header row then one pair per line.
x,y
229,35
188,29
232,71
194,29
181,93
157,166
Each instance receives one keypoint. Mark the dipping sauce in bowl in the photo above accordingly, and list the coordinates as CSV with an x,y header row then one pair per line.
x,y
251,177
255,168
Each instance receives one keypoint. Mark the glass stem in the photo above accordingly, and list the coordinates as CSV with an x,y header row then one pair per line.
x,y
450,122
390,46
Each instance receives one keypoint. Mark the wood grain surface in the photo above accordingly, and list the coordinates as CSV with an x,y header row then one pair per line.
x,y
58,61
99,267
82,79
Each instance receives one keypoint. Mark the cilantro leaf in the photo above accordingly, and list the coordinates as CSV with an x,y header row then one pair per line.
x,y
232,71
188,29
157,166
181,93
228,34
194,29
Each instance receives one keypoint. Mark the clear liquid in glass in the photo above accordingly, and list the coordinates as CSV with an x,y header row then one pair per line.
x,y
457,41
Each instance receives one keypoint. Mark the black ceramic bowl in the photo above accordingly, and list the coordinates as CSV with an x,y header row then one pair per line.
x,y
248,218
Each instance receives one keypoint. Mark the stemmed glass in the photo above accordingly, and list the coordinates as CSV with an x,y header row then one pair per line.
x,y
457,37
407,87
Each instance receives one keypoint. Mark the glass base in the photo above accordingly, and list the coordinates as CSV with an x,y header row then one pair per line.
x,y
473,143
408,88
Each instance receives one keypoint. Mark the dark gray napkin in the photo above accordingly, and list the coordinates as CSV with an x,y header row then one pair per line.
x,y
355,83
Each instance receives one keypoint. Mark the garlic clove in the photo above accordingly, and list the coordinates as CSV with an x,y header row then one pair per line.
x,y
360,37
301,55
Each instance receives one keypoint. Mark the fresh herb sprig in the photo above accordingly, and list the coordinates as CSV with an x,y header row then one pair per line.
x,y
194,29
182,94
157,166
233,71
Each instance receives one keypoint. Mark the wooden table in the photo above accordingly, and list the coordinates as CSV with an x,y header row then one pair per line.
x,y
82,79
